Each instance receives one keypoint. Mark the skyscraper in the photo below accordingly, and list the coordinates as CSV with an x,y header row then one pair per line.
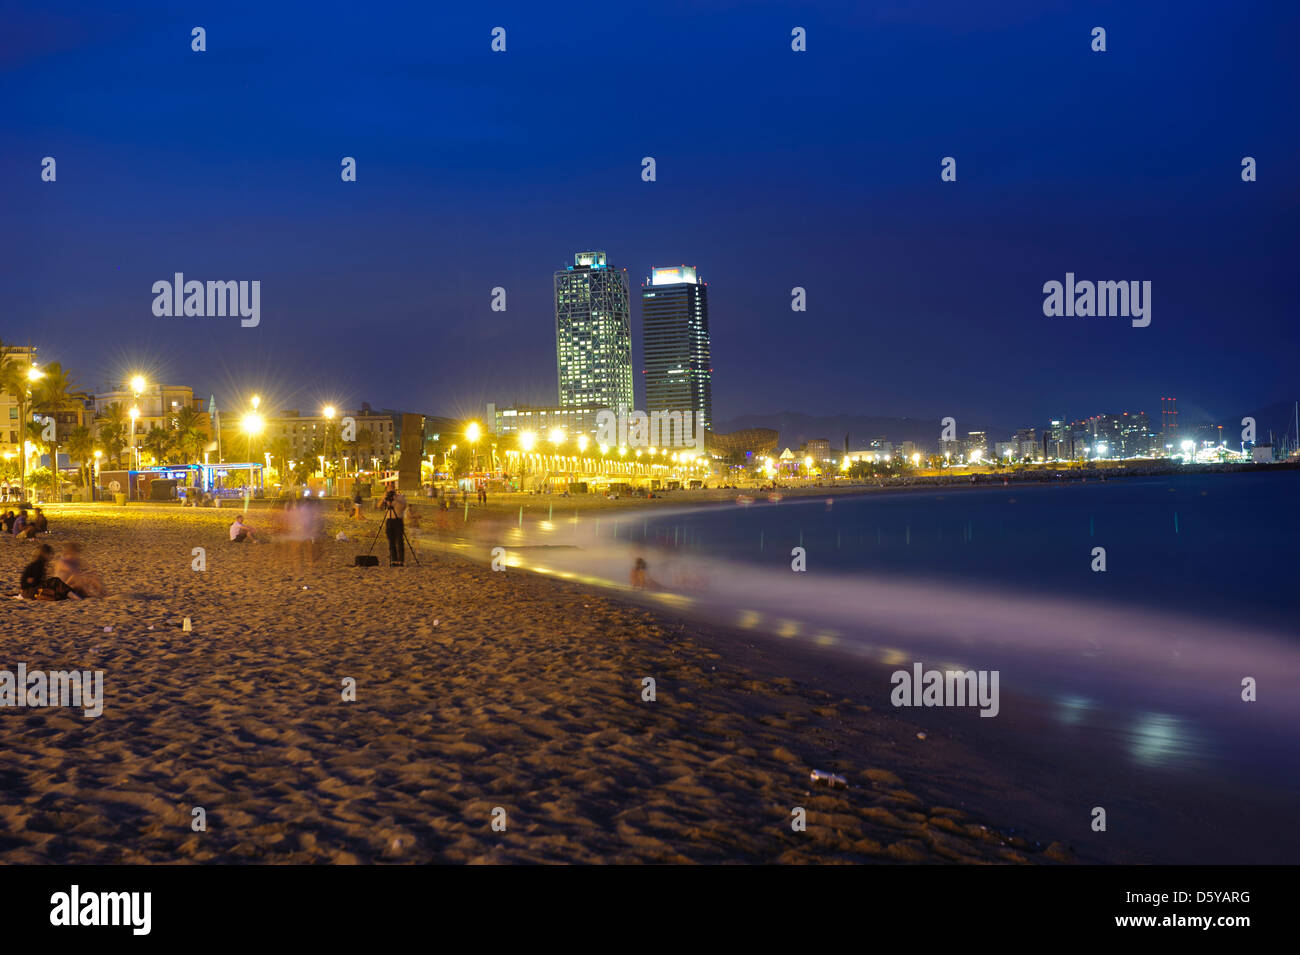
x,y
675,326
593,334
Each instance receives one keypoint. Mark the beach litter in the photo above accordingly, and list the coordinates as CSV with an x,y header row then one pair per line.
x,y
822,777
186,626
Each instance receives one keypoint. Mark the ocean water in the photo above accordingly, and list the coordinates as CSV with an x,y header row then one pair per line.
x,y
1222,546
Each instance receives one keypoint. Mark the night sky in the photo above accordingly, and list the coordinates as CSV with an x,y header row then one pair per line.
x,y
775,169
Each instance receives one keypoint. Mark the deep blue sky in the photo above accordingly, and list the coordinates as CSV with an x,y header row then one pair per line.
x,y
776,169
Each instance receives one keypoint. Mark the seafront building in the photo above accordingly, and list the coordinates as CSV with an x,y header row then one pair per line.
x,y
11,428
593,334
309,435
675,332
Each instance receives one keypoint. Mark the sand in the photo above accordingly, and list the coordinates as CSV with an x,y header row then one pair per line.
x,y
478,695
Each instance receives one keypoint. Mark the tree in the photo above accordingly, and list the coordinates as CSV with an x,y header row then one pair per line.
x,y
112,432
33,433
55,392
190,433
81,446
158,442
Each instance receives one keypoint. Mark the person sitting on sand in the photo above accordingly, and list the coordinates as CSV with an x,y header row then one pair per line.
x,y
81,580
640,576
33,578
7,522
40,523
240,532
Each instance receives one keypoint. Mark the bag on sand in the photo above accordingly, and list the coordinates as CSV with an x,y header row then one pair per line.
x,y
366,560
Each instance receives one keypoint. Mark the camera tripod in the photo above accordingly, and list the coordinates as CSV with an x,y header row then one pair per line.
x,y
389,511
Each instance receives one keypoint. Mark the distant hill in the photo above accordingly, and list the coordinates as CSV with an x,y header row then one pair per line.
x,y
794,429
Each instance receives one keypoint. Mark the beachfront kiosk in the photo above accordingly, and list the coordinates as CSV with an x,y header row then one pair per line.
x,y
169,482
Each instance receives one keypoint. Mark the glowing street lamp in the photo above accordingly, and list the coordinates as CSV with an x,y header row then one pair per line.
x,y
135,451
527,440
252,424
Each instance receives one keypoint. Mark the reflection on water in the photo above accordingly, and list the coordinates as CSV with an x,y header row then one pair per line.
x,y
1158,739
1072,710
1156,683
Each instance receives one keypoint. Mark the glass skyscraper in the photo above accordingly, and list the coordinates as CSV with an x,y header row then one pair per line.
x,y
593,334
675,326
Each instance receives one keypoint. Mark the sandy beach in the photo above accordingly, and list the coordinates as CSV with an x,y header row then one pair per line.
x,y
476,691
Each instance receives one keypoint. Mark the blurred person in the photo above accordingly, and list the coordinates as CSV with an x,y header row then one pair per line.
x,y
80,579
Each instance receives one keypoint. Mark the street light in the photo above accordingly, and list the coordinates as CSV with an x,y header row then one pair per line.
x,y
472,434
135,452
328,411
252,424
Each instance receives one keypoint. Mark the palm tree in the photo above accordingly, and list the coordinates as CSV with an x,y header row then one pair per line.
x,y
190,433
81,445
112,431
55,392
33,433
158,442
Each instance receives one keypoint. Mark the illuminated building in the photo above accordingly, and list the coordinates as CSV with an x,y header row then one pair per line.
x,y
675,332
593,334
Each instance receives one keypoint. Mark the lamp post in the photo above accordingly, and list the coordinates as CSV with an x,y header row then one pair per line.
x,y
135,452
329,412
138,385
252,424
34,375
472,434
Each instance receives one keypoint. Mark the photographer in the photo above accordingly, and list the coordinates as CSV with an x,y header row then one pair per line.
x,y
394,506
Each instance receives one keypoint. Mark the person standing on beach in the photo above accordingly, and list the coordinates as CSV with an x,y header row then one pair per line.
x,y
394,505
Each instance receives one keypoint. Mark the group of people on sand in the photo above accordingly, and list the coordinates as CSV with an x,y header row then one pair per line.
x,y
68,579
298,531
23,525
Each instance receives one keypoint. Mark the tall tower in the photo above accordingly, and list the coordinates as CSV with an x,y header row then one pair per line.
x,y
675,329
593,334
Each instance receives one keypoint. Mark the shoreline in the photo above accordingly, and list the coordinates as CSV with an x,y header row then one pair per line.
x,y
475,690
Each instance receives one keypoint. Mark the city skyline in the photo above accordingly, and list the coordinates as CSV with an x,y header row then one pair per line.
x,y
922,295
